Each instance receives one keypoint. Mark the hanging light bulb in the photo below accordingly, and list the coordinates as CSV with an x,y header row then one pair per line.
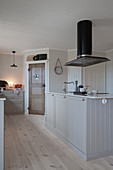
x,y
13,65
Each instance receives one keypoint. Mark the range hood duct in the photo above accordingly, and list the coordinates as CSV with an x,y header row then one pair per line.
x,y
84,46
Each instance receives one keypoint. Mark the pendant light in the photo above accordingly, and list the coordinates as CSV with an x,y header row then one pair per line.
x,y
13,65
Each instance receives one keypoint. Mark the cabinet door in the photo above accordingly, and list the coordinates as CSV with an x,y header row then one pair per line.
x,y
14,103
77,122
61,115
14,107
50,109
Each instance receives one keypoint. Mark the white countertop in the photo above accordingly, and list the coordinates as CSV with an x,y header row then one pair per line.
x,y
1,98
96,96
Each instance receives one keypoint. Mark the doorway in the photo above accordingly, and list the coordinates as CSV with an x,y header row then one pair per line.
x,y
37,89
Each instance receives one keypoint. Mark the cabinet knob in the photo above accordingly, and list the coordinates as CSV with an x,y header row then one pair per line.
x,y
52,94
83,99
104,101
64,96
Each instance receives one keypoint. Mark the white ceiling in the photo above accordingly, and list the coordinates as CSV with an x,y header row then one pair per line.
x,y
31,24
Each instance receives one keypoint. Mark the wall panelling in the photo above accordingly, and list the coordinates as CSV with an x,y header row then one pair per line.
x,y
8,73
109,72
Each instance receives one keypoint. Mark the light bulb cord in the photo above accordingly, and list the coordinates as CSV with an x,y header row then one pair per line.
x,y
13,56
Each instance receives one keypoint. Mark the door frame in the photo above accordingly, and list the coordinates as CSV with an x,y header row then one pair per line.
x,y
27,81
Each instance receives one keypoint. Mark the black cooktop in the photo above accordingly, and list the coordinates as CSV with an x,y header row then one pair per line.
x,y
79,93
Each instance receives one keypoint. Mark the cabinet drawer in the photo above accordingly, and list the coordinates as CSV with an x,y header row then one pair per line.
x,y
14,102
14,99
15,107
11,94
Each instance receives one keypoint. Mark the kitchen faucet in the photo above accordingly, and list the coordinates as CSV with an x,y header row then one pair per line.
x,y
67,82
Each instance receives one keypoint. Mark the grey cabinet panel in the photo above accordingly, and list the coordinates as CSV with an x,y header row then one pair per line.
x,y
99,126
50,110
77,122
61,115
14,103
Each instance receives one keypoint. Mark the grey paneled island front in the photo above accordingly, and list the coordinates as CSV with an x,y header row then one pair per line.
x,y
85,123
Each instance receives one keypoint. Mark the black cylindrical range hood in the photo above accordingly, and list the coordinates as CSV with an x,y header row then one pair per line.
x,y
84,38
84,46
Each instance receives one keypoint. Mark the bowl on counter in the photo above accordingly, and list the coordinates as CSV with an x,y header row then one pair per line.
x,y
94,91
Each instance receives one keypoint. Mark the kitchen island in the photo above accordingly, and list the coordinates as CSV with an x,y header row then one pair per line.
x,y
85,123
1,132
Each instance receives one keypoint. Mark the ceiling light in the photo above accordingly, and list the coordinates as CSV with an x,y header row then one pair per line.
x,y
13,65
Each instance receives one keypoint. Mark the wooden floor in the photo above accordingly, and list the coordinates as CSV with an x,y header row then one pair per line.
x,y
29,145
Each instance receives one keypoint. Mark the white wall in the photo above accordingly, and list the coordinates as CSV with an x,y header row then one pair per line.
x,y
56,82
109,72
94,75
97,76
74,73
8,73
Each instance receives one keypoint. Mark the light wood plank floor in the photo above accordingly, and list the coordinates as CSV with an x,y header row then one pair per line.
x,y
29,145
